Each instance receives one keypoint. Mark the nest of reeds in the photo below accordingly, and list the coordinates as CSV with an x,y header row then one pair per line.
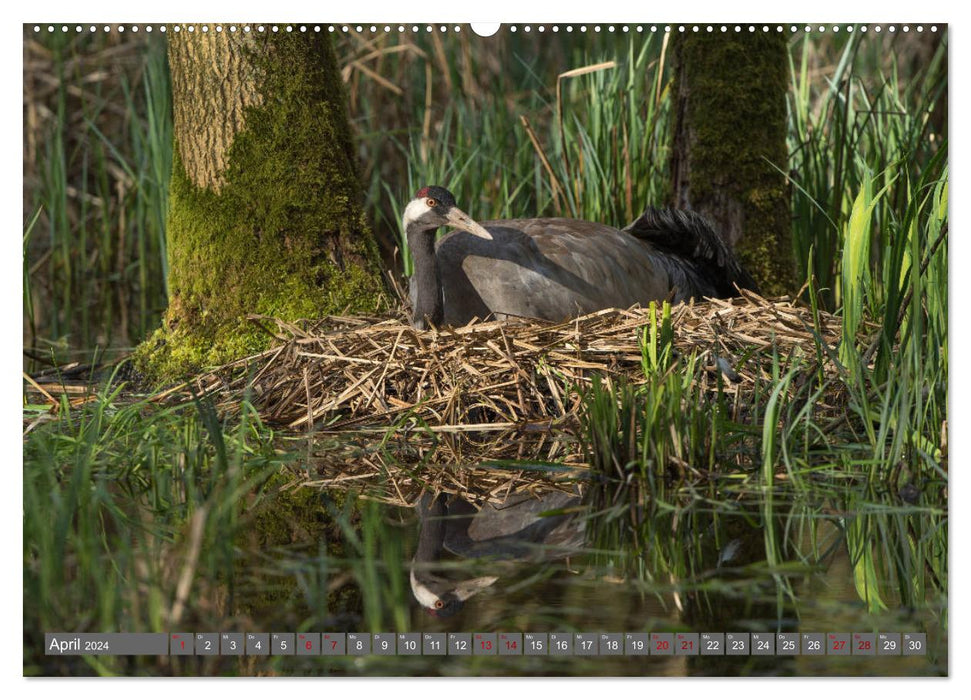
x,y
353,373
491,408
491,392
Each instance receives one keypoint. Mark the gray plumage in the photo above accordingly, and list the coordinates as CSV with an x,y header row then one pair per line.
x,y
523,529
554,268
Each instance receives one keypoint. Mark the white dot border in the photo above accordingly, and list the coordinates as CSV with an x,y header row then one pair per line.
x,y
529,29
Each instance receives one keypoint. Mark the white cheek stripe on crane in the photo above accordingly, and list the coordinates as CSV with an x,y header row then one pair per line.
x,y
416,208
422,594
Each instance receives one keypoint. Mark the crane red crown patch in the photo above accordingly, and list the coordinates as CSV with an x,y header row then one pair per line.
x,y
423,192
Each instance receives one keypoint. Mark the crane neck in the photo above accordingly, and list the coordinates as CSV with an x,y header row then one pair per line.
x,y
431,536
426,282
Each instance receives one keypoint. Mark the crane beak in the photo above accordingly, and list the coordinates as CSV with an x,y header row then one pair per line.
x,y
459,219
467,589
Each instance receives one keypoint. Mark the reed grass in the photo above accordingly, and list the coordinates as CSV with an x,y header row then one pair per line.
x,y
130,508
98,131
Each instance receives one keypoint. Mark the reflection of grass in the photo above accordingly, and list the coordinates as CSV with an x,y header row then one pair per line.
x,y
130,514
876,434
141,517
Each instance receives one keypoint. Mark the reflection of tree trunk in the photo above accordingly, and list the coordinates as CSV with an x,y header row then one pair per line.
x,y
730,132
731,548
265,210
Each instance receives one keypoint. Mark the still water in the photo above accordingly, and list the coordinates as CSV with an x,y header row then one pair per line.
x,y
687,564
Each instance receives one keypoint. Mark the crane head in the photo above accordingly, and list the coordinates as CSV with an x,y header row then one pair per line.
x,y
434,206
443,598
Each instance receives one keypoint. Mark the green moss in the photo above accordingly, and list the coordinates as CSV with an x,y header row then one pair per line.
x,y
738,140
284,236
291,515
284,517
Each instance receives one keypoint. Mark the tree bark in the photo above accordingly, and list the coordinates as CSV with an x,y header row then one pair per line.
x,y
213,82
265,204
730,145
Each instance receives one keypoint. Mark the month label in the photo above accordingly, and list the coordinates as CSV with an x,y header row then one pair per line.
x,y
105,643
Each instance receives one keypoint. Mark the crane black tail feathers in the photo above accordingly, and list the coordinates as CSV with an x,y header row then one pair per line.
x,y
706,258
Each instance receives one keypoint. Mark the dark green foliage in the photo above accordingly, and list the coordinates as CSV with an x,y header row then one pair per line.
x,y
96,175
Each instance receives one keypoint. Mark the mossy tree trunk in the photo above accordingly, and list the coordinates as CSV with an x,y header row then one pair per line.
x,y
265,211
730,138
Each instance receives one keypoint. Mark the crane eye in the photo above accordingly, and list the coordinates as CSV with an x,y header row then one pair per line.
x,y
439,604
431,203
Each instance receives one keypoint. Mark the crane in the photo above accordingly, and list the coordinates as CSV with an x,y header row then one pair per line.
x,y
523,528
556,268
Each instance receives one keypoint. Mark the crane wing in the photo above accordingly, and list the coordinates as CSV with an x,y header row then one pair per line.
x,y
546,268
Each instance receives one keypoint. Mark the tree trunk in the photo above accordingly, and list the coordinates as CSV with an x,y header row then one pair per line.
x,y
730,138
265,212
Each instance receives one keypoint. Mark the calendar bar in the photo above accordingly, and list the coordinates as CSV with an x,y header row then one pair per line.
x,y
783,644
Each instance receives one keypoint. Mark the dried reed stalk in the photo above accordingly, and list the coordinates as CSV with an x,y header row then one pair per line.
x,y
360,373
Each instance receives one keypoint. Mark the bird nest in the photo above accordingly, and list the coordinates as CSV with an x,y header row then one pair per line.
x,y
496,392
